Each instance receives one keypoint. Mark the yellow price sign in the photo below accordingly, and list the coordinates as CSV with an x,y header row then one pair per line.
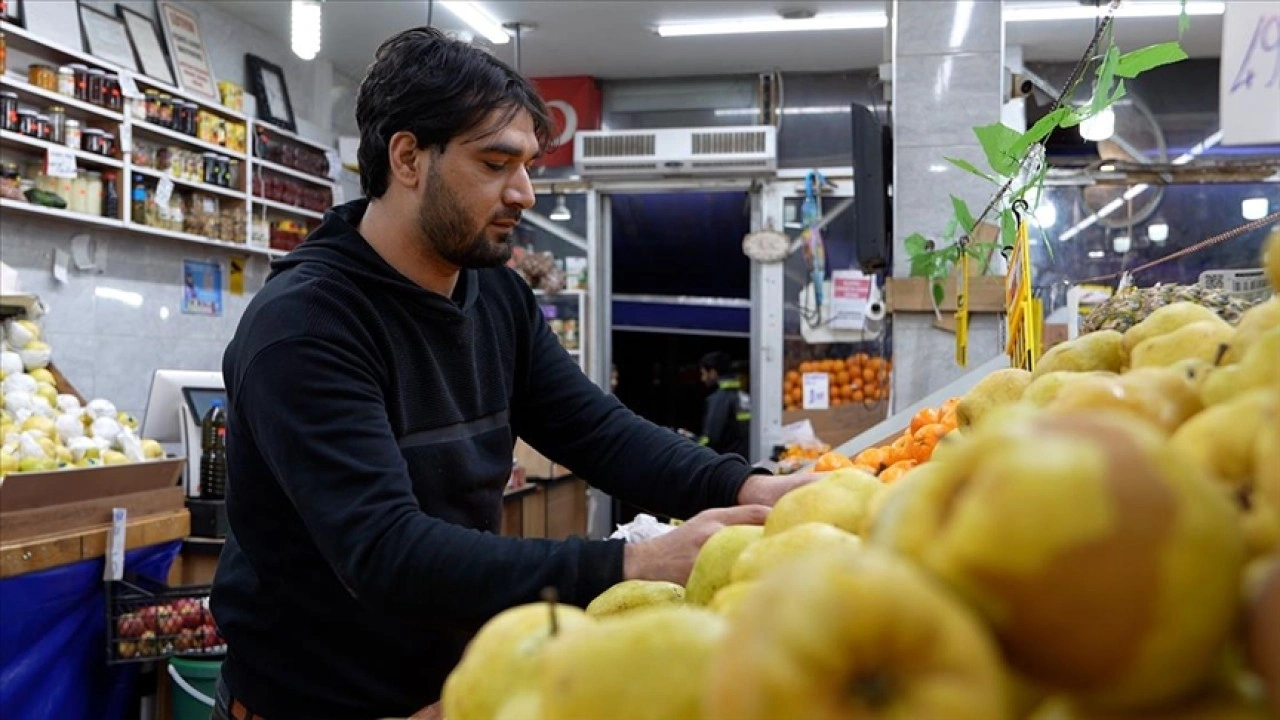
x,y
962,313
1023,312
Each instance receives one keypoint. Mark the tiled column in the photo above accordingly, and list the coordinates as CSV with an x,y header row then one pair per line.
x,y
948,77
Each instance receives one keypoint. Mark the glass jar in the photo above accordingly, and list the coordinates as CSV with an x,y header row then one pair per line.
x,y
44,127
71,135
11,182
110,196
233,172
28,124
65,188
79,199
66,81
112,97
44,77
108,144
57,123
164,111
92,141
80,73
93,193
138,201
9,111
151,105
4,54
97,83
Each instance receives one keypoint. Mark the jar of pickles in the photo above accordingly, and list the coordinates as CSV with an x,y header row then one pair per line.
x,y
71,135
96,86
80,75
9,111
44,77
57,123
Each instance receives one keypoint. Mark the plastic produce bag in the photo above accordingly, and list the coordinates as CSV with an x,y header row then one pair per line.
x,y
80,446
130,445
19,382
105,429
68,404
35,355
69,426
644,527
19,333
10,363
18,402
100,408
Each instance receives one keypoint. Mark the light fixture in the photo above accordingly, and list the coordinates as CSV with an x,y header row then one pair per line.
x,y
1121,244
561,211
1099,126
1107,168
304,28
960,25
1047,214
1097,254
471,14
1254,208
1158,232
1075,11
740,26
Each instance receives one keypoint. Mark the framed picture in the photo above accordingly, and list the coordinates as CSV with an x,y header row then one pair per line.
x,y
266,82
11,12
150,54
106,37
187,48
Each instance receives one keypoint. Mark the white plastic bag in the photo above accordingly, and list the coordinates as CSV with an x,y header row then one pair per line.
x,y
644,527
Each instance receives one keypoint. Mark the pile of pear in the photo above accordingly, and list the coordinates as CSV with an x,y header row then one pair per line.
x,y
1098,540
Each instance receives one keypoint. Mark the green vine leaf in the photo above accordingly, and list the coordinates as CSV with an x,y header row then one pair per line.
x,y
1008,227
963,216
1119,93
1041,130
1071,119
970,168
1131,64
915,244
1106,78
1184,22
996,140
939,292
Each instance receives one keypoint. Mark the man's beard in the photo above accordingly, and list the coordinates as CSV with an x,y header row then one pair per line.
x,y
444,224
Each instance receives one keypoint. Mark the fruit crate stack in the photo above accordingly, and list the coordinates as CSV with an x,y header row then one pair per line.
x,y
147,620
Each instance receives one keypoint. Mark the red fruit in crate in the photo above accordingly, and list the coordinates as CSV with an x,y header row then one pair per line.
x,y
170,622
148,617
186,640
147,643
202,636
129,625
191,612
126,649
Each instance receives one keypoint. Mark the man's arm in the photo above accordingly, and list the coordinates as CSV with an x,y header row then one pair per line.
x,y
319,419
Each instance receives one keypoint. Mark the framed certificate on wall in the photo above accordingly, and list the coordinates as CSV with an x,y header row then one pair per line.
x,y
106,37
187,48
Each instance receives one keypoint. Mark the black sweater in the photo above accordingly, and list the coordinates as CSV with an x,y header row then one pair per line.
x,y
370,432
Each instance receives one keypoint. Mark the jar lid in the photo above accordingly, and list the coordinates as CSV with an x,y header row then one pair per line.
x,y
9,95
27,111
93,173
72,122
93,131
66,70
108,135
78,66
38,66
55,109
96,71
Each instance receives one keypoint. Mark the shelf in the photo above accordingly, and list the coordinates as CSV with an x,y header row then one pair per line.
x,y
185,139
202,187
145,81
285,208
293,136
43,145
63,214
276,167
24,88
200,239
562,293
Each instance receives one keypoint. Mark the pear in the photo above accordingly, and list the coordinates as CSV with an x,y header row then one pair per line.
x,y
1258,368
1165,320
1261,526
8,462
113,457
726,601
151,449
1096,351
1001,387
34,464
46,426
1222,437
505,659
48,392
712,568
1198,340
1266,467
1047,386
840,501
785,547
522,706
43,375
631,594
1166,397
1271,259
1254,323
651,664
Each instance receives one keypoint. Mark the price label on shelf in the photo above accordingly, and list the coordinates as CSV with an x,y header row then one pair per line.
x,y
60,162
164,190
207,203
125,134
128,87
817,391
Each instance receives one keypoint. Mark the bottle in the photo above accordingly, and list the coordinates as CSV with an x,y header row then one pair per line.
x,y
110,197
213,458
138,203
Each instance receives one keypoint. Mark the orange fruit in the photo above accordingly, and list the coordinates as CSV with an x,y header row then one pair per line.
x,y
868,374
832,461
858,396
871,457
930,434
927,416
867,469
895,471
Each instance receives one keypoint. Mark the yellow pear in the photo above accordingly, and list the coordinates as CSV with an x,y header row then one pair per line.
x,y
44,425
712,568
152,449
914,509
632,594
1163,396
42,375
855,635
1253,324
522,706
1266,467
1262,629
35,464
729,598
650,664
505,658
1001,387
841,501
1271,258
1261,527
1202,340
1222,437
1101,351
1167,319
112,457
1046,387
774,551
8,462
1259,367
48,392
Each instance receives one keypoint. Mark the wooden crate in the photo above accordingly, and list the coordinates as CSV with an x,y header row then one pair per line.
x,y
838,424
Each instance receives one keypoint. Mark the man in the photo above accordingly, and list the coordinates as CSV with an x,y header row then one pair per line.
x,y
726,422
376,385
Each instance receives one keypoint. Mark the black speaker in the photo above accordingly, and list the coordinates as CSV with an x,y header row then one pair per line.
x,y
872,208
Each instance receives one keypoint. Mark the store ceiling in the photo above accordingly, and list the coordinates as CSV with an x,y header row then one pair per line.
x,y
614,38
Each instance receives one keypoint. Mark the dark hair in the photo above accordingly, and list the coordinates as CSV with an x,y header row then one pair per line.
x,y
718,361
436,88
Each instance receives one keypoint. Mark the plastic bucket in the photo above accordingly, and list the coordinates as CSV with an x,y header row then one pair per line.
x,y
193,684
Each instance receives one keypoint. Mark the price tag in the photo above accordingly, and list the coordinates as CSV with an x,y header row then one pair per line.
x,y
817,391
125,135
60,162
113,569
164,190
128,87
206,202
852,293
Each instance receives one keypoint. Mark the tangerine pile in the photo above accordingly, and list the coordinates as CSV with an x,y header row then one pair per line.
x,y
914,446
858,378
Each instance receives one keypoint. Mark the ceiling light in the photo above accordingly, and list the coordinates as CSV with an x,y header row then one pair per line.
x,y
471,14
844,21
1158,232
1121,244
1097,254
1074,11
1254,208
1047,215
304,28
1100,126
1107,168
561,211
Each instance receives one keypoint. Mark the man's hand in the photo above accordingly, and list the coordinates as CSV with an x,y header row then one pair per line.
x,y
766,489
671,556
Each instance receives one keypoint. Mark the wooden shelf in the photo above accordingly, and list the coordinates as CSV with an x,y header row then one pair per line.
x,y
293,136
62,214
290,209
308,177
8,136
142,125
201,186
28,91
200,239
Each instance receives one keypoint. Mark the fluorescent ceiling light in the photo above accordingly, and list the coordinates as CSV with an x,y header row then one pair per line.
x,y
1097,254
739,26
132,299
305,28
1073,11
1047,215
800,110
1099,127
1254,208
471,14
1121,244
1158,232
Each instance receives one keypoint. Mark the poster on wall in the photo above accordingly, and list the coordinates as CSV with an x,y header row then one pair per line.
x,y
1250,82
201,288
187,48
106,37
574,103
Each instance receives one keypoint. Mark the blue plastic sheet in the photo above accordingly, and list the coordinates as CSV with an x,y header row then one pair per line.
x,y
53,657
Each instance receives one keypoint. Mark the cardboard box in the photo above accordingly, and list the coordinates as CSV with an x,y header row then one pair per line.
x,y
915,294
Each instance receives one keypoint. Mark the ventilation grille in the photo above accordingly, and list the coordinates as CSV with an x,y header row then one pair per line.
x,y
605,167
619,146
725,143
737,164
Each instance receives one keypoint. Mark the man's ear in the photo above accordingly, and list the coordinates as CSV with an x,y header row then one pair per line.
x,y
407,163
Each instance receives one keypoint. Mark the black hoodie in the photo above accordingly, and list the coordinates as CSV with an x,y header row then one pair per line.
x,y
370,432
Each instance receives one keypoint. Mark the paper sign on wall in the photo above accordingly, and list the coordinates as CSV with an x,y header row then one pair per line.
x,y
851,292
128,87
164,190
60,162
235,280
817,391
1249,90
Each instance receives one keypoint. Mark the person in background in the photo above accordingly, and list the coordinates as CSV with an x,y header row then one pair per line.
x,y
726,423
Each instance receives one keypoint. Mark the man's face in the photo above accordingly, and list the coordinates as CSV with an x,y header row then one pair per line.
x,y
475,192
709,376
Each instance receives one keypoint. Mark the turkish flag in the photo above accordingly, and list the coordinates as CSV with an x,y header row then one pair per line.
x,y
574,103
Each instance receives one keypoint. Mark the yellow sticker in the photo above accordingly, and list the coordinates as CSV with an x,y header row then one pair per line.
x,y
237,276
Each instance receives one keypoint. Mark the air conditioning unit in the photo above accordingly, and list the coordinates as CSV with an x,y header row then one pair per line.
x,y
676,151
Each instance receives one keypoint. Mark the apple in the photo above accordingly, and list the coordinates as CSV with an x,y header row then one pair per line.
x,y
190,611
129,625
148,617
186,640
147,643
168,621
126,649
